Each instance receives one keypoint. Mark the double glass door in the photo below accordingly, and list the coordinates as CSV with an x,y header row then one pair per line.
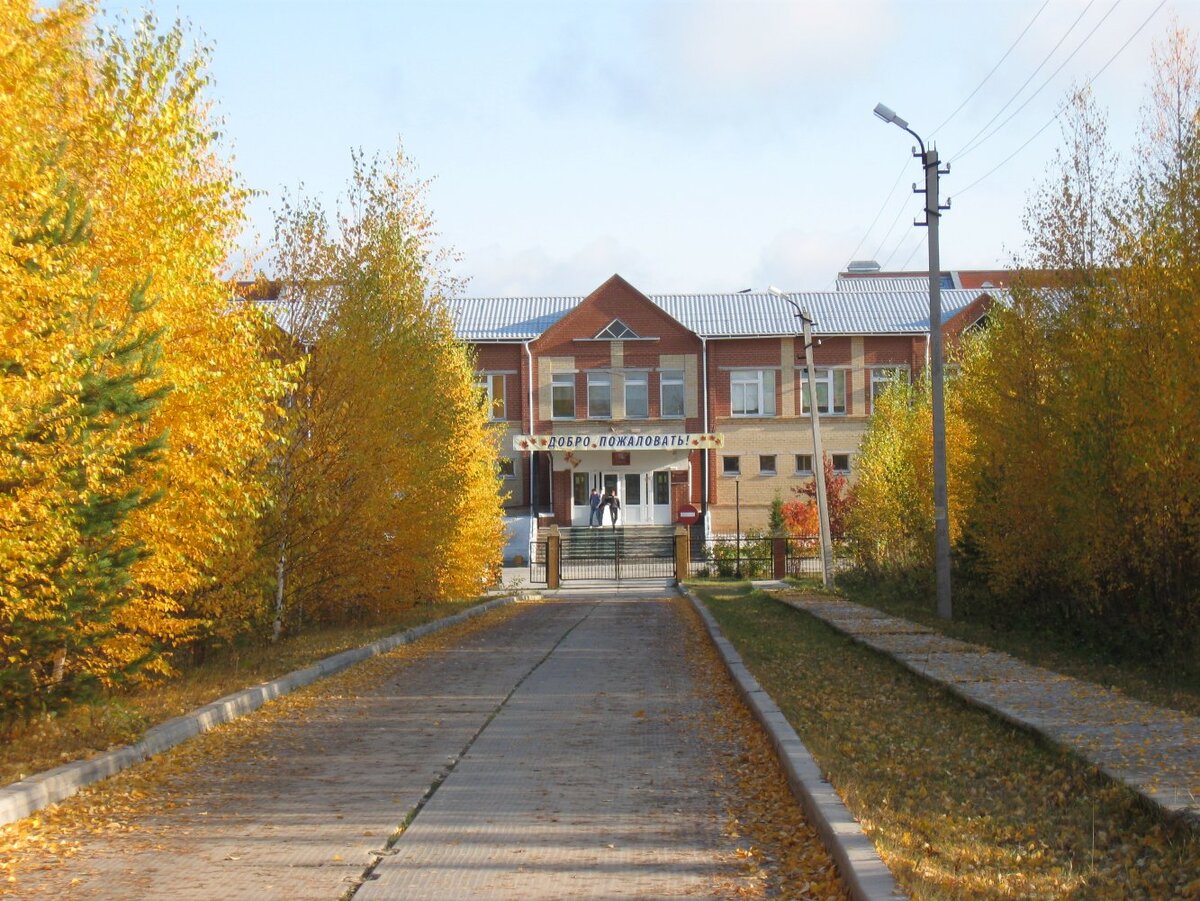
x,y
645,497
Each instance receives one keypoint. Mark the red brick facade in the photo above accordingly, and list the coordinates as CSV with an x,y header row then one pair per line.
x,y
571,345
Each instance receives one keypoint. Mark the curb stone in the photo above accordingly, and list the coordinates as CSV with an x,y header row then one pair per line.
x,y
861,867
20,799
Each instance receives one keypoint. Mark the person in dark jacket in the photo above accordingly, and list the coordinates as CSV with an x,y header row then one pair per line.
x,y
614,506
596,518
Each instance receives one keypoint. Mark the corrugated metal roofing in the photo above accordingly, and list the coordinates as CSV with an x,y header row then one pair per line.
x,y
883,283
507,318
724,315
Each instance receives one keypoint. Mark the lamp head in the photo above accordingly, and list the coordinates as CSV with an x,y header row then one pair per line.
x,y
771,289
888,115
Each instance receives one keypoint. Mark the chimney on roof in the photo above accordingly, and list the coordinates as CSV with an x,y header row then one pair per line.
x,y
862,266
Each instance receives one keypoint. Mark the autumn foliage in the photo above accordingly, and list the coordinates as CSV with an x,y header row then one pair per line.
x,y
157,434
1073,429
800,517
388,484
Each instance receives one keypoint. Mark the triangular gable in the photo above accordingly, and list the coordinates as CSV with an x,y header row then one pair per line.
x,y
616,303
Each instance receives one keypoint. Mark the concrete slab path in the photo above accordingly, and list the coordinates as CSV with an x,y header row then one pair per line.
x,y
1154,750
558,753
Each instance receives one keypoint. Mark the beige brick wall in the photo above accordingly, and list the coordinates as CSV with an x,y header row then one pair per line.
x,y
750,439
546,367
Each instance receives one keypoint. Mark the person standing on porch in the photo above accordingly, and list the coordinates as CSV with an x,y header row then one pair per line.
x,y
614,506
596,518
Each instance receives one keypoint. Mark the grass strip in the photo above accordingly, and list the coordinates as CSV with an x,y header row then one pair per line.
x,y
90,729
959,803
1152,680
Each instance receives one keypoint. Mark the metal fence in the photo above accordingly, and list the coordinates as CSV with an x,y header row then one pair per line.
x,y
612,555
731,557
752,556
537,562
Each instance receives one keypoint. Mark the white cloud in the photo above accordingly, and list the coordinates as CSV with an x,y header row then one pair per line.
x,y
533,271
768,45
799,260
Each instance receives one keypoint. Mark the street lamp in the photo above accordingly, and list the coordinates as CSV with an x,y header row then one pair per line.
x,y
818,455
933,212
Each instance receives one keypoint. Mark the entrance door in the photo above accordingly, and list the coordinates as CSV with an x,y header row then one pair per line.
x,y
610,483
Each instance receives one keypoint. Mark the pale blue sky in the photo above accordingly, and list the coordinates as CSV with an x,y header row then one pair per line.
x,y
689,146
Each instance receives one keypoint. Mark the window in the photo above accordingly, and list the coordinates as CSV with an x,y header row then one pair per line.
x,y
731,466
829,383
633,489
616,330
599,395
637,395
671,389
841,462
580,493
662,488
752,392
883,376
804,464
491,393
562,395
766,464
504,466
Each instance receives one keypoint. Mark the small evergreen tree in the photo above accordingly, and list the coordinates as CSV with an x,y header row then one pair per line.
x,y
76,461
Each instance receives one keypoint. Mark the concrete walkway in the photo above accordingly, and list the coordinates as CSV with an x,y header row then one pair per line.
x,y
560,753
1154,750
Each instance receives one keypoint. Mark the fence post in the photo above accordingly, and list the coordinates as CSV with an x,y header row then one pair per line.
x,y
553,555
682,553
779,555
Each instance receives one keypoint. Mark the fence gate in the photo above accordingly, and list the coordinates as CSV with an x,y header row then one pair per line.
x,y
617,555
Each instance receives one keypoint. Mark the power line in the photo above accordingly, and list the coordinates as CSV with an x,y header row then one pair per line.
x,y
1032,75
1049,79
882,206
888,233
895,250
904,168
1063,108
912,254
1010,49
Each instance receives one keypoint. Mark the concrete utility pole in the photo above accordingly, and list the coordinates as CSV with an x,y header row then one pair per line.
x,y
818,454
933,214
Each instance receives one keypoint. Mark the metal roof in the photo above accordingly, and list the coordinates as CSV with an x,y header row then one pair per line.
x,y
885,283
893,312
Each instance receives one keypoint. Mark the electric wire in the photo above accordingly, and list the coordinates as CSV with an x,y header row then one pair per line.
x,y
888,233
882,207
895,250
999,62
911,254
904,167
1049,79
1032,75
1063,108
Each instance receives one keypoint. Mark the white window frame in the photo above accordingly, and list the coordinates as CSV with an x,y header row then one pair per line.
x,y
881,378
506,468
634,379
597,379
671,378
801,471
486,383
755,389
830,378
774,458
560,381
725,470
836,468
